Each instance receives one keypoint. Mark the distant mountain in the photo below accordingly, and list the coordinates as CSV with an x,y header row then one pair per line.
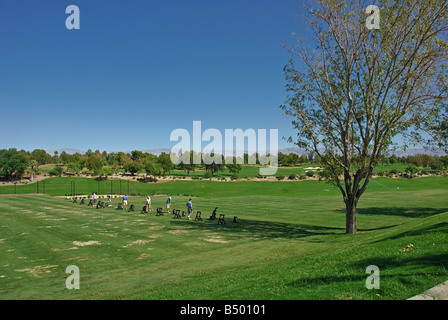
x,y
157,152
67,150
296,150
413,152
398,153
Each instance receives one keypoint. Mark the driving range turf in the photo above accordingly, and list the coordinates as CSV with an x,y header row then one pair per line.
x,y
289,242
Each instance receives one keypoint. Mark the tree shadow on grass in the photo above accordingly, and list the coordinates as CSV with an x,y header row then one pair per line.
x,y
399,211
258,229
404,267
405,270
441,227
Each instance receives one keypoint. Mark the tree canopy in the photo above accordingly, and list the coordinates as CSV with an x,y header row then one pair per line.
x,y
353,89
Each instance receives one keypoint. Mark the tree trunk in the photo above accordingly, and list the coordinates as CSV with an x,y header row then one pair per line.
x,y
350,215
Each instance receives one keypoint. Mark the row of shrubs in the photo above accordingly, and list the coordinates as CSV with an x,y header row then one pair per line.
x,y
409,172
293,176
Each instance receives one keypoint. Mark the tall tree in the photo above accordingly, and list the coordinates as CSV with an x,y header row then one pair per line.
x,y
211,165
133,167
13,163
234,167
34,167
165,163
41,156
189,166
353,89
95,164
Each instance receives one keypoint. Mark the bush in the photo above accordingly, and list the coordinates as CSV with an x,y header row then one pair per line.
x,y
437,165
106,170
393,171
309,173
411,169
132,167
235,176
280,177
324,174
292,176
56,171
208,174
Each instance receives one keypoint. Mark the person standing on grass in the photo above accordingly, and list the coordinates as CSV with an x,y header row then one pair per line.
x,y
94,198
125,201
148,203
168,204
190,209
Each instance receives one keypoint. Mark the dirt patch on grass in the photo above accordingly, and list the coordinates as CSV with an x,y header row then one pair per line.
x,y
178,232
37,271
216,239
22,195
192,244
56,249
143,256
137,242
156,228
87,243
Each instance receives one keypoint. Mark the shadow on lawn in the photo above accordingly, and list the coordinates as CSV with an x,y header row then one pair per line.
x,y
258,229
403,267
399,211
404,270
441,227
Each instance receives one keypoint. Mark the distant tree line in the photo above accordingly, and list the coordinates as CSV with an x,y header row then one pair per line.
x,y
14,164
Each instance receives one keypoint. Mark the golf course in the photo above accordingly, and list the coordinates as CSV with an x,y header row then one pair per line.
x,y
224,158
289,242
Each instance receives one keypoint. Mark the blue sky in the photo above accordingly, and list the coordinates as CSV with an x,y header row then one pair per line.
x,y
136,70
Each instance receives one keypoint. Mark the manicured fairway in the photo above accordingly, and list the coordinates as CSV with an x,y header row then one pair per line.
x,y
289,243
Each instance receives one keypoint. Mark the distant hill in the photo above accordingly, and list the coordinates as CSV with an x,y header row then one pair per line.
x,y
157,152
413,152
67,150
398,153
296,150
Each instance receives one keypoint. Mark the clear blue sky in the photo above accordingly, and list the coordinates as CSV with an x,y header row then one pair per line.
x,y
138,69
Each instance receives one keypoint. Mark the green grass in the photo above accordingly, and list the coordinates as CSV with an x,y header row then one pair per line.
x,y
290,242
